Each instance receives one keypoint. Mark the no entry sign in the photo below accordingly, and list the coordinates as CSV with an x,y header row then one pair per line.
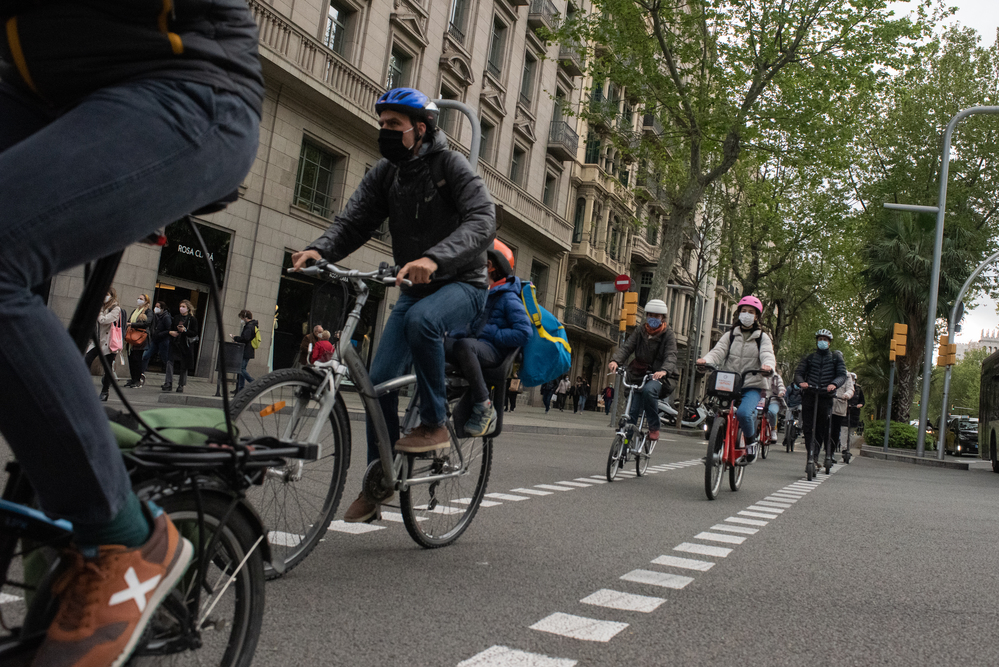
x,y
622,283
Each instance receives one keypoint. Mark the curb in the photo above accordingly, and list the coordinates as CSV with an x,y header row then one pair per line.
x,y
878,453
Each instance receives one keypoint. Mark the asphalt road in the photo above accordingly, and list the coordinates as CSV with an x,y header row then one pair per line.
x,y
881,563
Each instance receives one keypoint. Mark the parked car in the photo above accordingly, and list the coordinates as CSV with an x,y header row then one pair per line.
x,y
962,436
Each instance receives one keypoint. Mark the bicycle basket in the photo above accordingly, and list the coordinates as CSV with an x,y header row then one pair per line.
x,y
724,384
329,306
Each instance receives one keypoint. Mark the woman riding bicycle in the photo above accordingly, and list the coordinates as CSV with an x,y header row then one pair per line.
x,y
746,347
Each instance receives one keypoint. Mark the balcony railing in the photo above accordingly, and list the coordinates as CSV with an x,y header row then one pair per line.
x,y
563,142
456,33
542,14
494,68
651,124
587,321
285,40
525,99
515,199
570,56
649,184
576,317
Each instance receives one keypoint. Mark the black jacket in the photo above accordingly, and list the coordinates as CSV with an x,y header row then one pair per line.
x,y
70,48
821,368
159,327
182,347
453,224
652,353
245,336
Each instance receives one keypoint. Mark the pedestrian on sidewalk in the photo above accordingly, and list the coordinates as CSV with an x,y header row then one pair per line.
x,y
608,395
137,339
512,389
547,392
245,337
577,393
108,319
584,395
562,391
184,335
158,341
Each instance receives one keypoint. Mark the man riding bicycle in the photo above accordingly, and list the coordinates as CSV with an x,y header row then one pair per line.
x,y
442,220
116,118
654,347
824,372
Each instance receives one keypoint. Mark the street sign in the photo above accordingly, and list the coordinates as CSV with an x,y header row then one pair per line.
x,y
604,288
622,283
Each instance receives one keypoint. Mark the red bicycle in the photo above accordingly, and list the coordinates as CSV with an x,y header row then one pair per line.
x,y
725,443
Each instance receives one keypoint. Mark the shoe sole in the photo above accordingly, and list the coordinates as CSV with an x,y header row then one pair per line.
x,y
485,431
166,585
442,447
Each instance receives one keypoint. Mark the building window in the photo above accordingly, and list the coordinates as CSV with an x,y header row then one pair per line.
x,y
448,119
592,149
551,190
338,19
644,288
570,294
518,165
626,117
652,230
539,276
459,14
577,221
527,80
398,70
314,184
486,145
604,306
612,250
497,45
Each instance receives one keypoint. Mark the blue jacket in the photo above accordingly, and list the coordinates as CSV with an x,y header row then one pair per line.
x,y
504,323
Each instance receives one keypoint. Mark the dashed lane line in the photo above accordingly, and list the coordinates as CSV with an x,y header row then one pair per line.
x,y
591,480
718,537
503,656
735,529
684,563
579,627
505,496
748,522
533,492
576,484
553,487
623,601
761,508
661,579
758,515
703,549
354,528
468,501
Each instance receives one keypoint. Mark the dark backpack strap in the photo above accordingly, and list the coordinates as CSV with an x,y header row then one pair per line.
x,y
439,176
731,339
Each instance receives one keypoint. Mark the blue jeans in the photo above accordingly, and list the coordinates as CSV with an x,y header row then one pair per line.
x,y
746,414
160,349
648,399
582,403
76,186
243,376
414,336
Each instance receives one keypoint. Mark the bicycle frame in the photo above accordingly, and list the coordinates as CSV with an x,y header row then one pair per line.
x,y
625,423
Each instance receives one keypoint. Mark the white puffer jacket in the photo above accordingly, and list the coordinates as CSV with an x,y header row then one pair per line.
x,y
843,395
737,352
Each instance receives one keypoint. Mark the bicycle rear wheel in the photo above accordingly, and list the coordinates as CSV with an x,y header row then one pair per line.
x,y
714,464
298,500
437,513
230,611
735,474
614,457
642,457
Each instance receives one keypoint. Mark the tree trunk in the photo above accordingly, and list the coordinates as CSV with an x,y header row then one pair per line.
x,y
677,224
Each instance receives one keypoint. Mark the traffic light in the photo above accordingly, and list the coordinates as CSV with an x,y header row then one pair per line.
x,y
629,312
947,352
897,347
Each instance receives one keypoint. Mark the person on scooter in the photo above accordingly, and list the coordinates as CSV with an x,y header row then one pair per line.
x,y
793,400
654,347
824,372
746,348
839,411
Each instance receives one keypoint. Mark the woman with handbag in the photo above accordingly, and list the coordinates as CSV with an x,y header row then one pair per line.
x,y
184,336
136,337
513,388
110,336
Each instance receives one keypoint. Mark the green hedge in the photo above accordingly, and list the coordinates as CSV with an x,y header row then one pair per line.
x,y
902,436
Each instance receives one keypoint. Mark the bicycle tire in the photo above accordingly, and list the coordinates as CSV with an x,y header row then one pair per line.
x,y
435,519
642,456
614,457
227,643
714,463
297,506
735,475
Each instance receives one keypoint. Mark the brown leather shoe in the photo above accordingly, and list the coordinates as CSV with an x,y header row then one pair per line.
x,y
425,439
361,511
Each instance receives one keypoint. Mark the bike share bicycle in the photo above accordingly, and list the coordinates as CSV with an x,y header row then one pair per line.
x,y
763,427
726,444
439,492
631,438
191,463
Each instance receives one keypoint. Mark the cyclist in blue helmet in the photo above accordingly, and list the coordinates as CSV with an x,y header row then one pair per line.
x,y
441,220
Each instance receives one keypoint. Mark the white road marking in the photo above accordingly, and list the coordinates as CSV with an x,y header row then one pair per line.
x,y
504,496
284,539
625,601
592,480
770,503
533,492
468,501
354,528
735,529
579,484
784,498
502,656
447,510
760,508
663,579
685,563
703,549
718,537
5,598
748,522
627,473
758,515
579,627
552,487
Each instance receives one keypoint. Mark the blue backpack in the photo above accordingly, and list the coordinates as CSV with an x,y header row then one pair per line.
x,y
547,355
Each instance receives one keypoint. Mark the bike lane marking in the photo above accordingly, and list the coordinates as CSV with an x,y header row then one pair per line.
x,y
661,579
718,537
579,627
553,487
533,492
623,601
684,563
735,529
503,656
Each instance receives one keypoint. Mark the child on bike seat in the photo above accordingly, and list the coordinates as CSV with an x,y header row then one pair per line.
x,y
746,348
654,347
502,327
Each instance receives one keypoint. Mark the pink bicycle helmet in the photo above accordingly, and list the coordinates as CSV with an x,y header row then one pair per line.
x,y
751,300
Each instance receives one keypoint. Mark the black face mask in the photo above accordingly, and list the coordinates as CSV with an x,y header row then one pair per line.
x,y
391,147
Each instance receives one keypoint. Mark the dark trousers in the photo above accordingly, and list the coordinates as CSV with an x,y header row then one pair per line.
x,y
106,380
560,401
575,402
546,398
608,403
159,349
838,422
816,420
471,355
135,364
511,399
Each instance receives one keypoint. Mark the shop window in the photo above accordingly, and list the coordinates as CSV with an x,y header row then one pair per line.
x,y
314,183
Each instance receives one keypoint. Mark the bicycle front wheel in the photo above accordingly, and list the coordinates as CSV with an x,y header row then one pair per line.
x,y
614,457
735,474
714,463
296,501
643,454
437,513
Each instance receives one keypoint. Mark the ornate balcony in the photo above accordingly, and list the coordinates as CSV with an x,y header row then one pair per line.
x,y
513,198
563,142
651,125
570,57
542,14
593,327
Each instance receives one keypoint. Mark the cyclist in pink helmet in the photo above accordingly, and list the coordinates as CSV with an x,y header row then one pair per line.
x,y
746,347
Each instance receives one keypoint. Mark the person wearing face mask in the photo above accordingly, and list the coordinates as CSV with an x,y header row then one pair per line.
x,y
245,336
746,347
138,323
825,371
109,316
442,221
654,347
184,336
158,343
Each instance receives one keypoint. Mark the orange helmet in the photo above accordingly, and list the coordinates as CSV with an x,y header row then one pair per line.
x,y
502,258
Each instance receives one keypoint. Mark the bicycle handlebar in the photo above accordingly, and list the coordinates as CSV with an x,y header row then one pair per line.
x,y
756,371
383,274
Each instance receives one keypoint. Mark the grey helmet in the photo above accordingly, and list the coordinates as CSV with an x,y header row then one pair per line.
x,y
824,332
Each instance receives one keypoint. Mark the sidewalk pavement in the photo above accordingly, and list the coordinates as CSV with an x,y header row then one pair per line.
x,y
524,419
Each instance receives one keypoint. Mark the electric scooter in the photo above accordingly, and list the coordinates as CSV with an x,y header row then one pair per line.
x,y
695,416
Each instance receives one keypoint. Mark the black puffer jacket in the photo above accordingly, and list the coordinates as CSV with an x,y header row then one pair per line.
x,y
65,49
821,369
453,224
245,337
653,353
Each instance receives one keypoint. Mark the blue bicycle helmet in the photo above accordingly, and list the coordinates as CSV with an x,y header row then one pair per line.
x,y
411,102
